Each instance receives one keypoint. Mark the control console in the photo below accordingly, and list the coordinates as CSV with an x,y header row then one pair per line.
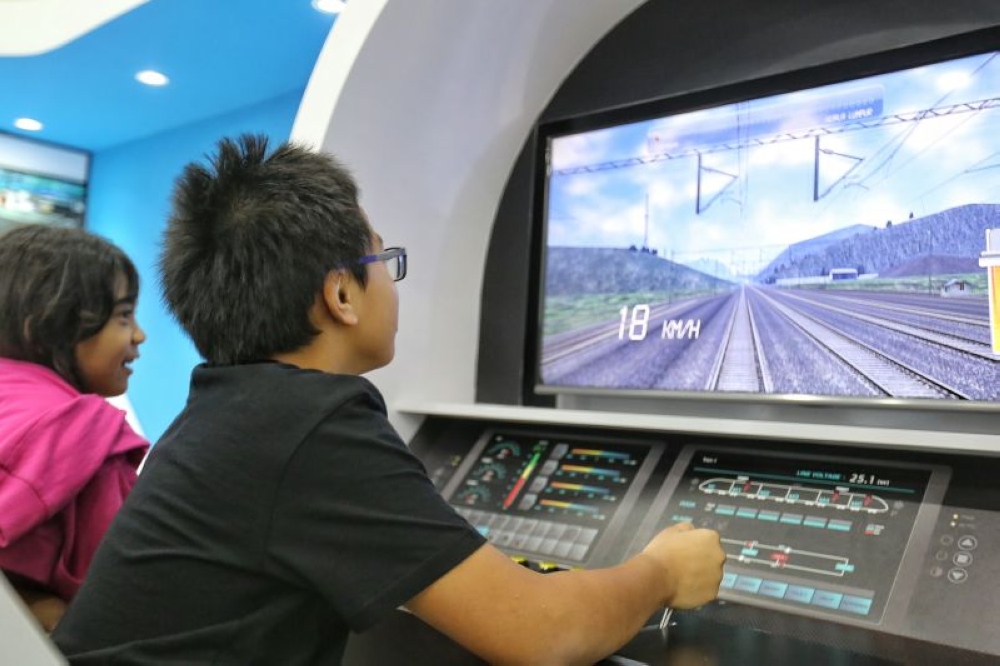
x,y
906,546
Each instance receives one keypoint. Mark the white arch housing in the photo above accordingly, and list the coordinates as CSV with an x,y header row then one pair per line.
x,y
429,103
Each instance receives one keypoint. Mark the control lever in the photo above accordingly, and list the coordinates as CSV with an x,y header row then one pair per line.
x,y
618,660
665,620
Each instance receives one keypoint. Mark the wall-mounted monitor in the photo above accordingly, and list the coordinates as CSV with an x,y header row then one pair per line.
x,y
816,235
42,183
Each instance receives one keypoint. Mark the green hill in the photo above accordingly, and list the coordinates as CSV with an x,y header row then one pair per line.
x,y
574,271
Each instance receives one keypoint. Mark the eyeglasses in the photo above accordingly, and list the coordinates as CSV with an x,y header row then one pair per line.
x,y
395,258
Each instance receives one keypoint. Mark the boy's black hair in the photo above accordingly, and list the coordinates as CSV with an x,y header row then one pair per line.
x,y
249,242
57,288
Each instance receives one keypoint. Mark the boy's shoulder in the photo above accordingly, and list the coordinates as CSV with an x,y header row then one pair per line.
x,y
271,391
275,376
261,413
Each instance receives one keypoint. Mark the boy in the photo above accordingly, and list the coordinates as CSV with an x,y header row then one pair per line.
x,y
280,509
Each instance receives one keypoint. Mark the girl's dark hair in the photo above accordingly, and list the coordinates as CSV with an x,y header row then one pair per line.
x,y
57,288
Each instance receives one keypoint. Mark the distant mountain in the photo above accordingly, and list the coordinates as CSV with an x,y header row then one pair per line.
x,y
572,271
949,239
813,246
933,265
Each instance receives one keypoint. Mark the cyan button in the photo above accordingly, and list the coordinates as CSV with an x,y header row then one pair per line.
x,y
858,605
748,584
827,599
803,595
728,580
771,516
772,588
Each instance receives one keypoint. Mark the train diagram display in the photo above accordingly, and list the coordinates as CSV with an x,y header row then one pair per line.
x,y
816,536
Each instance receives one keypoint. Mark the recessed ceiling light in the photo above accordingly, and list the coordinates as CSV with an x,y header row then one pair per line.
x,y
329,6
28,124
152,78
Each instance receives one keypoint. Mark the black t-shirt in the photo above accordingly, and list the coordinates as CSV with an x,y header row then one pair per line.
x,y
278,511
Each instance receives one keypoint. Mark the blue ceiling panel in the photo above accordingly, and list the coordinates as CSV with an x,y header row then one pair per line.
x,y
220,55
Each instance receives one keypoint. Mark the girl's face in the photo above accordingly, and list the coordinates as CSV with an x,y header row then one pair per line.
x,y
103,359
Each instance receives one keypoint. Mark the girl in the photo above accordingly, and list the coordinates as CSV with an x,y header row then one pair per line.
x,y
68,336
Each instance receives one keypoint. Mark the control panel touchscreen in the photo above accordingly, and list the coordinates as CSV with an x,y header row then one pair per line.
x,y
819,536
550,498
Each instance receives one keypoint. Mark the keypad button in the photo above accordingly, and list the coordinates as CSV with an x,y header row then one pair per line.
x,y
958,576
827,599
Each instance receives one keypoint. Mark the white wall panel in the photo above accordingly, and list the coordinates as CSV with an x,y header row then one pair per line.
x,y
429,102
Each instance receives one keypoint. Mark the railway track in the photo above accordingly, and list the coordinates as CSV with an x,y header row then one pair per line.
x,y
886,373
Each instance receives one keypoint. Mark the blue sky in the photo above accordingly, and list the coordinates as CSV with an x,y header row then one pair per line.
x,y
909,167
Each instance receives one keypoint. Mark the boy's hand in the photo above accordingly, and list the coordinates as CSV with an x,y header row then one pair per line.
x,y
692,560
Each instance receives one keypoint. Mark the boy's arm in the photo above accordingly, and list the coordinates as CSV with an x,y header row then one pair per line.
x,y
508,614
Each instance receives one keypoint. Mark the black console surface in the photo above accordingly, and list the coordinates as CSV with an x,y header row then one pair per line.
x,y
715,636
836,554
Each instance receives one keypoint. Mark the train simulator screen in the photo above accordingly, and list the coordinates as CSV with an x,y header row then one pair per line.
x,y
827,242
817,536
549,498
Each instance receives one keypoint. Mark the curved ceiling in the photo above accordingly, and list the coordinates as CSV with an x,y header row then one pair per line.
x,y
220,55
30,27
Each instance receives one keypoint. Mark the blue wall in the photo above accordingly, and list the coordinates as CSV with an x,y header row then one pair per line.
x,y
130,189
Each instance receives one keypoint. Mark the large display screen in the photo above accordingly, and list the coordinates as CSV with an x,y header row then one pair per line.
x,y
547,497
817,536
829,241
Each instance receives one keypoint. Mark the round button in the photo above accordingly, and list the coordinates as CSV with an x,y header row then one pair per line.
x,y
967,542
947,540
936,572
958,576
941,555
962,559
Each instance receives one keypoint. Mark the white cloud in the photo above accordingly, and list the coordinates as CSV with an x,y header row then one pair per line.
x,y
580,149
951,80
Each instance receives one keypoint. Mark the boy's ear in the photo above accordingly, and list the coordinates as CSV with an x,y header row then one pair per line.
x,y
338,297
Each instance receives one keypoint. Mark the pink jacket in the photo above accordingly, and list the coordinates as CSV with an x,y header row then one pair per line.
x,y
67,461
